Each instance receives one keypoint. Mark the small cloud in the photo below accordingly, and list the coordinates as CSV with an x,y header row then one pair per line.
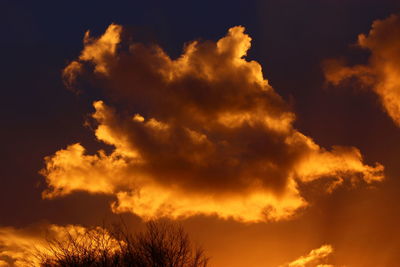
x,y
19,247
316,258
382,71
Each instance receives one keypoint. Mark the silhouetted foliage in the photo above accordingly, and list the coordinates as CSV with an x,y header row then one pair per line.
x,y
159,245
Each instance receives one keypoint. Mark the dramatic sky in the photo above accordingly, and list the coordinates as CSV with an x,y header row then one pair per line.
x,y
269,129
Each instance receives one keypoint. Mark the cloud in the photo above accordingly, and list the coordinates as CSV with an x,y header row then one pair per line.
x,y
316,258
19,246
201,134
382,71
96,50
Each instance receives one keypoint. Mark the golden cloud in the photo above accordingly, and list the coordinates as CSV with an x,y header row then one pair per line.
x,y
20,247
382,71
201,134
316,258
97,50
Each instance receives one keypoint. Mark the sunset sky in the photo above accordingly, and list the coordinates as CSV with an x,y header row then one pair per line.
x,y
269,129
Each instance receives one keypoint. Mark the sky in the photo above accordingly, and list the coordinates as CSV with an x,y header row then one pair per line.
x,y
269,129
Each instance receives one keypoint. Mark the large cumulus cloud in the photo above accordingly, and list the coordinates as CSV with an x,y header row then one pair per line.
x,y
382,72
201,134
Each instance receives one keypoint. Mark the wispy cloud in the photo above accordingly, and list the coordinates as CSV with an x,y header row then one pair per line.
x,y
316,258
19,247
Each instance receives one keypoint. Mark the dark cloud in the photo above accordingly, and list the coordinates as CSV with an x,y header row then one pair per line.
x,y
201,134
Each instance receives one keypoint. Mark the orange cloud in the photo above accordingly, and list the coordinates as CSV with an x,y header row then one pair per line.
x,y
316,258
201,134
382,71
20,247
97,50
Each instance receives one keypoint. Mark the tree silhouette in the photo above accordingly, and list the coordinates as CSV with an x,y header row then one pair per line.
x,y
161,244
